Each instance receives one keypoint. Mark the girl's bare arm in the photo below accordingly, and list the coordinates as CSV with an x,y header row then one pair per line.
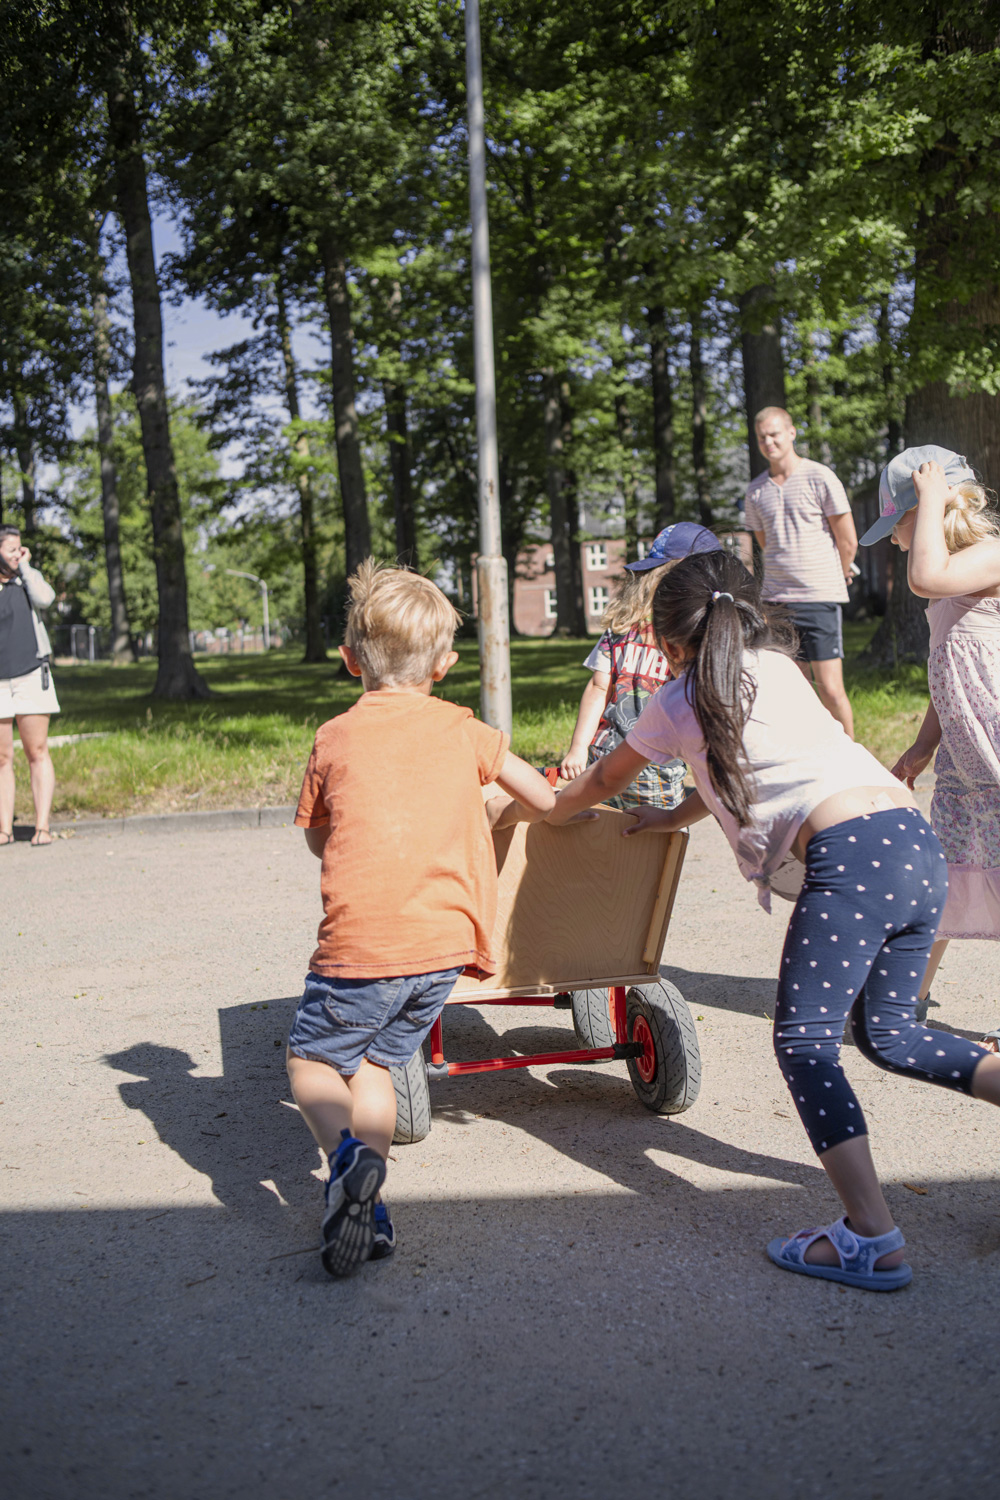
x,y
933,571
605,778
668,819
910,764
592,705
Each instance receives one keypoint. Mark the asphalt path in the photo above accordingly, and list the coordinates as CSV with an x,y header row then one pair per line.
x,y
580,1305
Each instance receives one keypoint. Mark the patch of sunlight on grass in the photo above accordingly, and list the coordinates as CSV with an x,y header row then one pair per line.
x,y
247,745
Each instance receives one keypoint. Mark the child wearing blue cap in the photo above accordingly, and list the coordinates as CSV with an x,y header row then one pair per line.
x,y
628,667
937,513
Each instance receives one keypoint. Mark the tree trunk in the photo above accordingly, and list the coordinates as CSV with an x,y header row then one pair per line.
x,y
893,426
903,634
699,421
353,497
763,364
555,483
816,446
315,645
401,468
122,647
572,509
25,445
969,423
663,417
511,536
400,447
176,676
630,487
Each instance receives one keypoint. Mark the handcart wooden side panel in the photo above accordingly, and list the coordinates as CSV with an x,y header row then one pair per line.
x,y
582,919
579,907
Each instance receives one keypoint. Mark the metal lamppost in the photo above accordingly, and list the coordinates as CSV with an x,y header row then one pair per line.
x,y
235,572
491,565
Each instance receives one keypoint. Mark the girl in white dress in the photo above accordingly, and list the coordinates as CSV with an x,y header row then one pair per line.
x,y
953,542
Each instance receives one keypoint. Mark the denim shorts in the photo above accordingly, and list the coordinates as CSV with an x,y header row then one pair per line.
x,y
344,1021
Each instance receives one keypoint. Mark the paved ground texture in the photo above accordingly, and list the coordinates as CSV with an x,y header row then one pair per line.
x,y
580,1305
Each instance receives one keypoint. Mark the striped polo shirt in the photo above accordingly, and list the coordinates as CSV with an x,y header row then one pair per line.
x,y
801,561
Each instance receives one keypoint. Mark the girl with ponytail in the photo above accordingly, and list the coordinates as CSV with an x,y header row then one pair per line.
x,y
785,783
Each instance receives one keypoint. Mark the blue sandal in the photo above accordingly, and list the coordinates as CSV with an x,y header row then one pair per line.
x,y
857,1255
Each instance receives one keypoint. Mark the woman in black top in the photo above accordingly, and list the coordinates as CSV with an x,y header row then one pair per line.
x,y
26,691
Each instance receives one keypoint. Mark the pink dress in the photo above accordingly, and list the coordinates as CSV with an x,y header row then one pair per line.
x,y
964,677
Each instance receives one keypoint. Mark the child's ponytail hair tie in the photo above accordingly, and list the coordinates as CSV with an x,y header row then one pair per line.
x,y
721,594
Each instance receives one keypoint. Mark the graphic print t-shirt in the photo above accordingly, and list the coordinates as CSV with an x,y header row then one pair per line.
x,y
638,668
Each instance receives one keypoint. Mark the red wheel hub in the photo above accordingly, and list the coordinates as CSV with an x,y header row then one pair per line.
x,y
646,1063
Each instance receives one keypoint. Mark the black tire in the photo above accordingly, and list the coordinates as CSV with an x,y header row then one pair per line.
x,y
413,1102
592,1018
672,1063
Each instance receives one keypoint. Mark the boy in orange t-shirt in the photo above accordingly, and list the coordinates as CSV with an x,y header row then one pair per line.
x,y
392,803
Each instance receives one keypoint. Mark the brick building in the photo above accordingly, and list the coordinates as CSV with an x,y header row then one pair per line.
x,y
601,565
535,584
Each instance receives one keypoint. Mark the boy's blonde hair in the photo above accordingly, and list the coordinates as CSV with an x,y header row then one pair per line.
x,y
633,604
966,518
399,624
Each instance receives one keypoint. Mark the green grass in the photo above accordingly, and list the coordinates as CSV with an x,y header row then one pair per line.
x,y
248,744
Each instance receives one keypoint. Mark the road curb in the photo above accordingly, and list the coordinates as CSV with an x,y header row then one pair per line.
x,y
238,817
185,822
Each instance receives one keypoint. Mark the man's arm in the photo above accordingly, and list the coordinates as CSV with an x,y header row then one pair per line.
x,y
846,538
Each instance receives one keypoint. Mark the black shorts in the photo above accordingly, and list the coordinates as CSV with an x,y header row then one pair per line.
x,y
820,629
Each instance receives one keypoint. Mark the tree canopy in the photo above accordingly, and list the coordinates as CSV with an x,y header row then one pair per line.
x,y
696,208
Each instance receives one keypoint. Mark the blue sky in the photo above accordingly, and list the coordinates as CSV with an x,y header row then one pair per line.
x,y
192,331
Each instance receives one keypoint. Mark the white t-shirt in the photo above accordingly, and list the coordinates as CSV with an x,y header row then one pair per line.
x,y
801,561
798,755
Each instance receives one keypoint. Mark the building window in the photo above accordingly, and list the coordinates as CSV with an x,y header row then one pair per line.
x,y
549,562
550,604
597,558
599,600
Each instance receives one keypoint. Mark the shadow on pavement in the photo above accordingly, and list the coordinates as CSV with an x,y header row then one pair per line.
x,y
239,1129
590,1116
733,992
516,1348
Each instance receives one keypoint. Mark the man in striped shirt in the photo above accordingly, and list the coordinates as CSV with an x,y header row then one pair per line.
x,y
800,514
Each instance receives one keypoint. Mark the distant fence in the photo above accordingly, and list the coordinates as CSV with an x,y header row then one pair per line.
x,y
86,643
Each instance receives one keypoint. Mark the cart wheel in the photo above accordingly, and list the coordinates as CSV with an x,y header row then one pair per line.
x,y
592,1018
667,1075
413,1101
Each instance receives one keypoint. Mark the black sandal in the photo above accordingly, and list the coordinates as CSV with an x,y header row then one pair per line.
x,y
35,844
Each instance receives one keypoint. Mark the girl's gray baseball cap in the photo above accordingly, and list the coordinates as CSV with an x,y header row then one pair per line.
x,y
896,494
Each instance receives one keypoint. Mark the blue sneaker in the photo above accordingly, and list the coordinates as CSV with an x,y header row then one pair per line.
x,y
348,1228
384,1242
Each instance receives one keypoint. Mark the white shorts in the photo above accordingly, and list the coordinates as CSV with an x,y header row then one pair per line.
x,y
25,695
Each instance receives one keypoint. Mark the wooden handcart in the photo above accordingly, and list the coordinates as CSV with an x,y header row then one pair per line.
x,y
581,924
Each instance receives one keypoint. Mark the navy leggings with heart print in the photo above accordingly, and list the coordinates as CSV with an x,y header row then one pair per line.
x,y
857,945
